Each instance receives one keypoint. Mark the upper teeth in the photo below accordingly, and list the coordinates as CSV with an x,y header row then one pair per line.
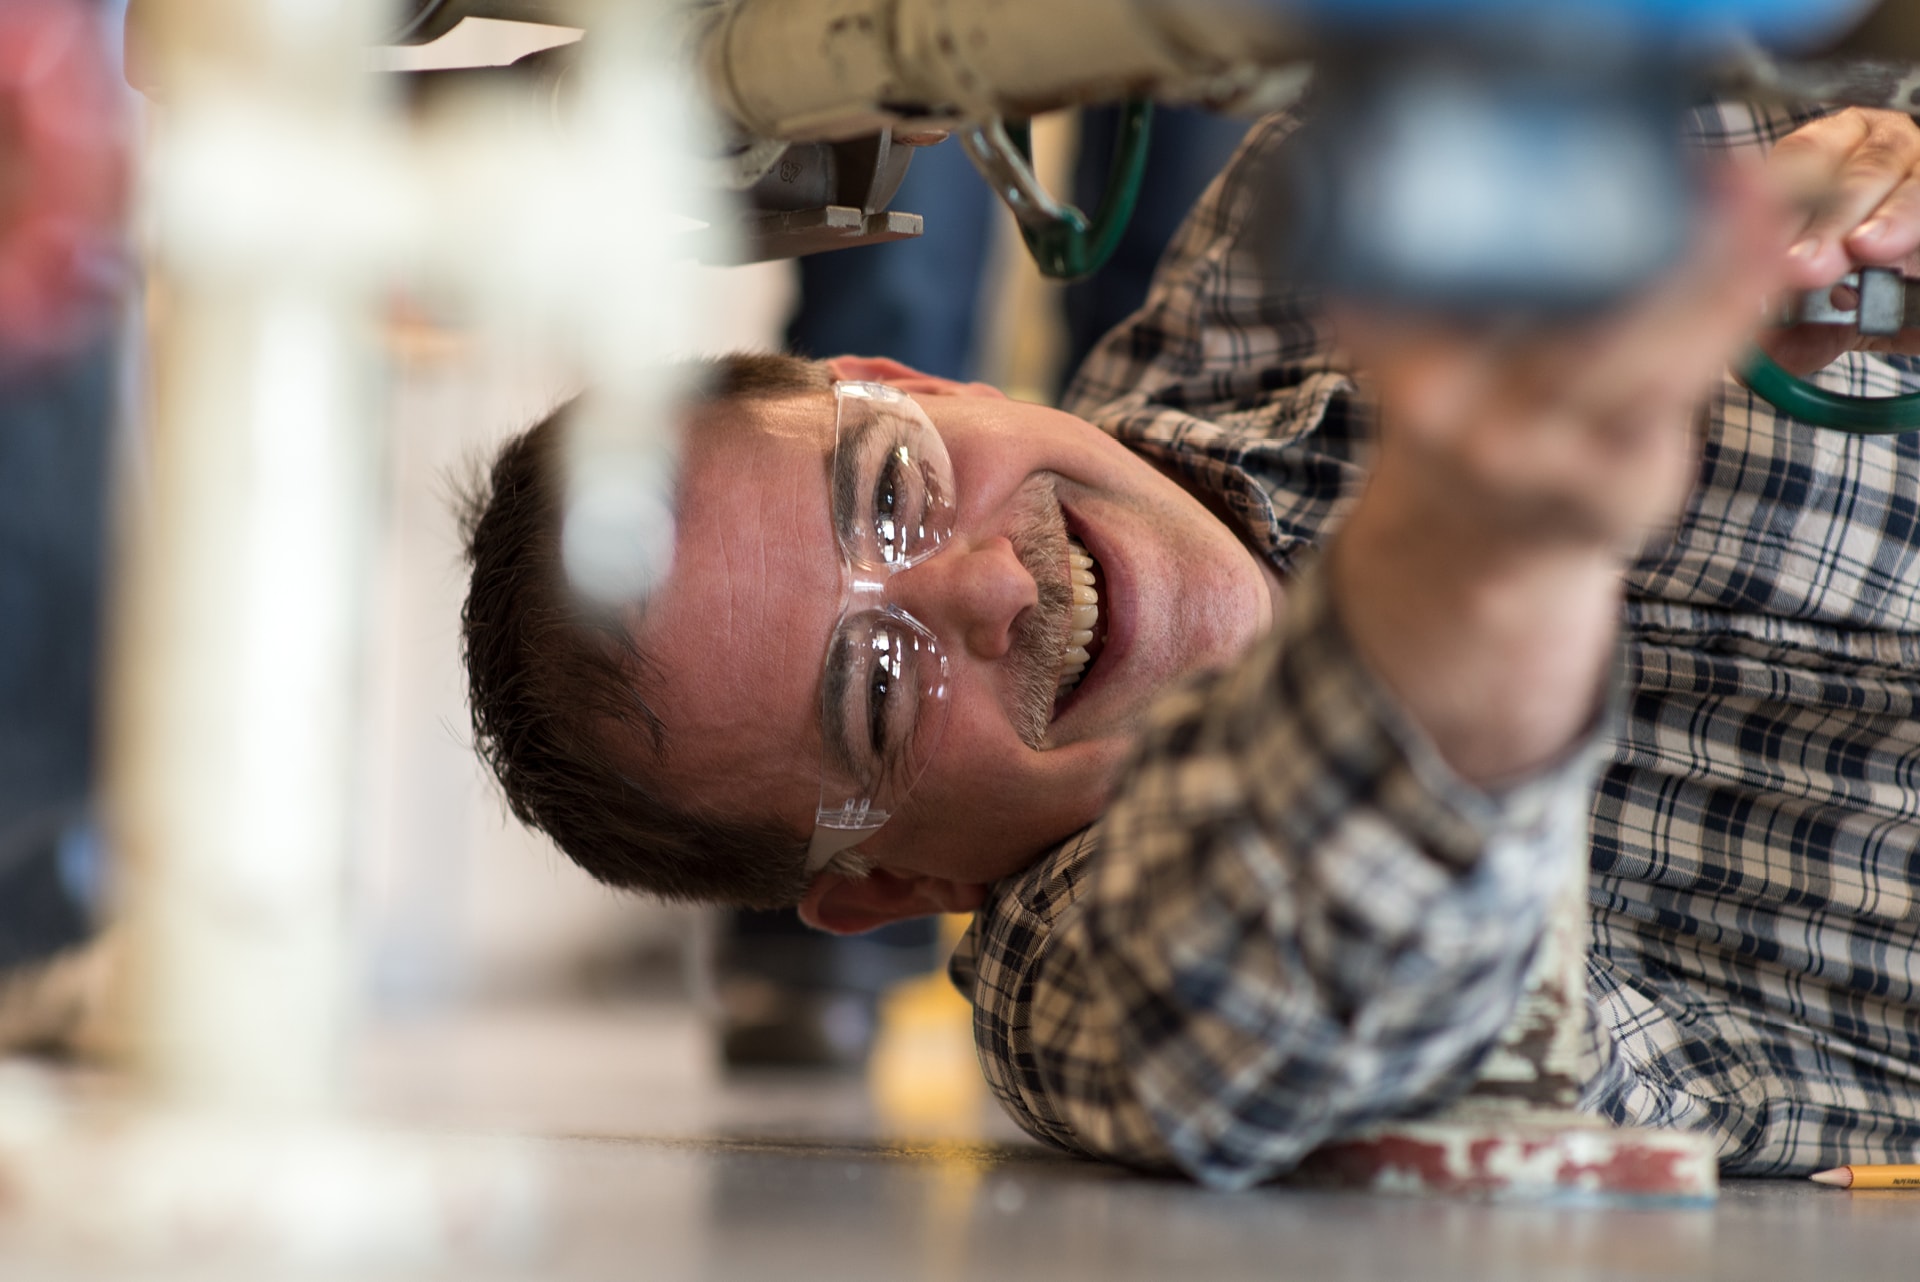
x,y
1086,615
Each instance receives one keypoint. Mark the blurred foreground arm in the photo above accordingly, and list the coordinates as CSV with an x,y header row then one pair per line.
x,y
1518,468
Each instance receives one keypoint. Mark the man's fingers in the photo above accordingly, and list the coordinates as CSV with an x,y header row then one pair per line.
x,y
1802,349
1868,157
1869,178
1892,231
1871,216
1804,164
1905,343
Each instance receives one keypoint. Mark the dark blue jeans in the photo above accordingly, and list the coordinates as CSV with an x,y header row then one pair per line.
x,y
55,429
914,300
1188,148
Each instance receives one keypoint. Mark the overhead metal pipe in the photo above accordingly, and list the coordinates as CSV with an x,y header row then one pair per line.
x,y
872,64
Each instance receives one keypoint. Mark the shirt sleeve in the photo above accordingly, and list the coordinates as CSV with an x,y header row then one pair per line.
x,y
1299,921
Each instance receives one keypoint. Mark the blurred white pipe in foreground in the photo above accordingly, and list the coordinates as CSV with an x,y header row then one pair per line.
x,y
238,617
284,200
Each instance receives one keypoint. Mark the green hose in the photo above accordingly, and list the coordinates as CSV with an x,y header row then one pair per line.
x,y
1861,415
1070,248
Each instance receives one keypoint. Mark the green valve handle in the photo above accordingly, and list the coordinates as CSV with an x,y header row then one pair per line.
x,y
1877,300
1065,244
1861,415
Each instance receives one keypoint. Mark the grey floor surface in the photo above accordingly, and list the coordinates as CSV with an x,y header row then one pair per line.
x,y
654,1168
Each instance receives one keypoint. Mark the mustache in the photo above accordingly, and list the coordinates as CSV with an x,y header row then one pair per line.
x,y
1039,538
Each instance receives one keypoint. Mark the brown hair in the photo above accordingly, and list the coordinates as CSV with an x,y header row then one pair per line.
x,y
550,678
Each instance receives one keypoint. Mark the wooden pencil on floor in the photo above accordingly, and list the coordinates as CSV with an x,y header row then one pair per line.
x,y
1869,1177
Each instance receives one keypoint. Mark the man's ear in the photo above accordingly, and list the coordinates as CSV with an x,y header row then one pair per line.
x,y
884,369
847,905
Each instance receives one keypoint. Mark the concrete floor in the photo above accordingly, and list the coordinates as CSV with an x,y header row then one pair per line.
x,y
656,1169
666,1172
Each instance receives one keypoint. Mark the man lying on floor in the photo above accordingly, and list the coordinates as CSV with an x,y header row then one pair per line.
x,y
922,649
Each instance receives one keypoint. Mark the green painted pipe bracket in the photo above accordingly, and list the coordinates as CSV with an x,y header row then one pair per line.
x,y
1065,244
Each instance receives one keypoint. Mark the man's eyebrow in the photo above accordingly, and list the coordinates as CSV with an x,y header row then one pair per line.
x,y
843,478
833,696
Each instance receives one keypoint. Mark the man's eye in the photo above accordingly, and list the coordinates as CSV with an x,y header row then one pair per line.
x,y
879,685
889,499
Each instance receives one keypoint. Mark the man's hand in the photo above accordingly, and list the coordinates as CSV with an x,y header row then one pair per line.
x,y
1518,467
1858,174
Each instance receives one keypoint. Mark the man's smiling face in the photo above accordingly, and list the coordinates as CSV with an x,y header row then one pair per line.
x,y
739,632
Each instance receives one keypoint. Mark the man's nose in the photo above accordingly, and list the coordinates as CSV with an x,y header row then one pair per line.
x,y
969,594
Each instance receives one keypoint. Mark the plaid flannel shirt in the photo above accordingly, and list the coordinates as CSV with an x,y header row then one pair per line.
x,y
1295,920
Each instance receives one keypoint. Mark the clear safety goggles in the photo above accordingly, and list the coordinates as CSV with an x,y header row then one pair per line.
x,y
883,699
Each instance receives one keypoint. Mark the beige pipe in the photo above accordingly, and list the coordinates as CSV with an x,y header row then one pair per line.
x,y
235,642
841,68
